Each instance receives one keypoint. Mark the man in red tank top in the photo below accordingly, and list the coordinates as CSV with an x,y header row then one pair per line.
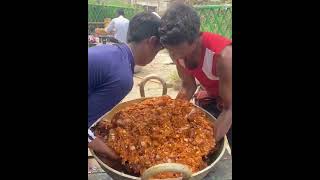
x,y
204,56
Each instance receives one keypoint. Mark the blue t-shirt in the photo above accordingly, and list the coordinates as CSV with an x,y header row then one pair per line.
x,y
110,78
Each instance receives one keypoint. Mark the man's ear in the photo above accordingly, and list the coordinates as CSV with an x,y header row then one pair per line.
x,y
153,40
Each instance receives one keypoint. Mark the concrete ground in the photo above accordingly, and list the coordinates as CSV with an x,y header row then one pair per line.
x,y
161,67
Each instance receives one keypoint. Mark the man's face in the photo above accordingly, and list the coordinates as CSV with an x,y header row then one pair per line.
x,y
150,48
185,51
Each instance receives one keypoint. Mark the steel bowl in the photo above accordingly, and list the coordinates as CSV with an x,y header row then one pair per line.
x,y
117,175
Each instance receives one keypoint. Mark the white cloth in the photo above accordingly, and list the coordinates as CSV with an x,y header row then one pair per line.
x,y
120,26
91,136
156,14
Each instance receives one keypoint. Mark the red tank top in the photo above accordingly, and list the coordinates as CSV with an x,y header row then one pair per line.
x,y
206,72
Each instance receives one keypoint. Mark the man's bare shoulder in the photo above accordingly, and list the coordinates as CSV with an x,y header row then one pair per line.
x,y
224,59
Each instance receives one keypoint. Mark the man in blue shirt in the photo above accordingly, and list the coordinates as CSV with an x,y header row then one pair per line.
x,y
111,68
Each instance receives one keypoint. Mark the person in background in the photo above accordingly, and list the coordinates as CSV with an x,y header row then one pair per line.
x,y
111,68
119,27
202,56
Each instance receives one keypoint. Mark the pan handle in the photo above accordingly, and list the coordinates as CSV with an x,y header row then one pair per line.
x,y
167,167
149,77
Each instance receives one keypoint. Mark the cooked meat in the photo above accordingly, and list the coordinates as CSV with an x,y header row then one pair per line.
x,y
157,131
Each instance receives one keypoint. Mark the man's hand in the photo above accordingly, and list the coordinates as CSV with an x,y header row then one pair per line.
x,y
191,114
223,124
115,164
183,94
100,147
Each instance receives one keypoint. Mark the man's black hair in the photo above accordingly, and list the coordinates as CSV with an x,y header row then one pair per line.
x,y
143,26
120,12
179,24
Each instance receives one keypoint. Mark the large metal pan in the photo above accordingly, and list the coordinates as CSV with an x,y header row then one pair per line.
x,y
172,167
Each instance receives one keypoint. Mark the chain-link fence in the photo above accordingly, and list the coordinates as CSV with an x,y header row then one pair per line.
x,y
97,14
216,19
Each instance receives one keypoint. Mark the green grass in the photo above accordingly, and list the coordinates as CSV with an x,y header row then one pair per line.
x,y
174,76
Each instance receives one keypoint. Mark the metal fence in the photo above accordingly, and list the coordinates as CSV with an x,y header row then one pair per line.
x,y
97,13
216,19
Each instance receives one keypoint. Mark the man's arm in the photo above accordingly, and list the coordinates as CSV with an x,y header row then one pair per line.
x,y
224,70
96,144
188,85
110,27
